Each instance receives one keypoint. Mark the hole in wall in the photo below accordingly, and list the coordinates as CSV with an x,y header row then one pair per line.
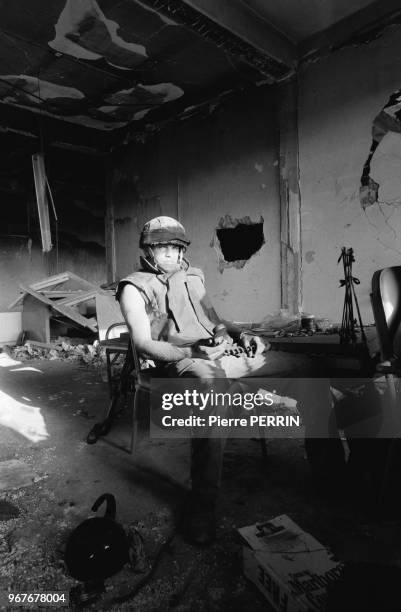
x,y
237,240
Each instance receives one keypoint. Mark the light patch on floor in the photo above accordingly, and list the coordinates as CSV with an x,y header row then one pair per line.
x,y
6,361
25,420
25,369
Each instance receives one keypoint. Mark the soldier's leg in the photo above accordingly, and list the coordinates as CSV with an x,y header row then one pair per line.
x,y
302,378
206,451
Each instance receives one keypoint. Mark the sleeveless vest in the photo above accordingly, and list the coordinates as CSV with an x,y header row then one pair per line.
x,y
173,303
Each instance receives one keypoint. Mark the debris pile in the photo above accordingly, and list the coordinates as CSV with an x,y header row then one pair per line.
x,y
64,348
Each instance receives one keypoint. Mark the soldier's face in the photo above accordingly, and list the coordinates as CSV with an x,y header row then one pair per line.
x,y
167,253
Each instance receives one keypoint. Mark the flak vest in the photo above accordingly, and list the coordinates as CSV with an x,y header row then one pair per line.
x,y
173,302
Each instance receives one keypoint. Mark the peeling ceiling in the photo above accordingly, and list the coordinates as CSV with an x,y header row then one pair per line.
x,y
87,70
103,64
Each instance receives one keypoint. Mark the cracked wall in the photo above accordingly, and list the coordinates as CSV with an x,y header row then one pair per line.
x,y
201,170
340,98
379,181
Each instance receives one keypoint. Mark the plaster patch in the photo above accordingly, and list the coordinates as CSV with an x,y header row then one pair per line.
x,y
310,256
136,102
107,109
141,114
160,92
83,31
37,90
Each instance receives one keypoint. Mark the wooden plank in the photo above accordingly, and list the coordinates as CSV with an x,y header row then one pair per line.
x,y
52,293
56,281
61,278
80,296
47,282
81,281
35,319
64,310
51,280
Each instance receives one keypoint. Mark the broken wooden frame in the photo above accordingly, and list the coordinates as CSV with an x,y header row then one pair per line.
x,y
54,297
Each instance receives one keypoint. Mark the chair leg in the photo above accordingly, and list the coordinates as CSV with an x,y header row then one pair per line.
x,y
103,427
134,429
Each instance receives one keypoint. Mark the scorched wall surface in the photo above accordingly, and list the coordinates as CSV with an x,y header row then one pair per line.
x,y
201,170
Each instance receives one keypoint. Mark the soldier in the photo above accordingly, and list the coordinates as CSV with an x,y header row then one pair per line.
x,y
170,319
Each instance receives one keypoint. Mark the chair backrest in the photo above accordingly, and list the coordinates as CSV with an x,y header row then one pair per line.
x,y
116,330
119,331
386,305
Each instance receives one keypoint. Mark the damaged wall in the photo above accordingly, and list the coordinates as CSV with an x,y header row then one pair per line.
x,y
340,96
202,170
81,245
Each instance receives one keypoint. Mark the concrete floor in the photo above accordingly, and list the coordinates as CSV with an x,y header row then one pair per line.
x,y
46,411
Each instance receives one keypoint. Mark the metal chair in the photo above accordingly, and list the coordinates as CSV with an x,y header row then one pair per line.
x,y
134,377
386,305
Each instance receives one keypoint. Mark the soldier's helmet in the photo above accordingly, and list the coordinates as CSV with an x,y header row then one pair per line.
x,y
163,230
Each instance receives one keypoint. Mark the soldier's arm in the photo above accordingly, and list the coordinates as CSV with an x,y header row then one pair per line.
x,y
133,308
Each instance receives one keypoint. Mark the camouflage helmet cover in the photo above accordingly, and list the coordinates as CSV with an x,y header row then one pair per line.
x,y
161,230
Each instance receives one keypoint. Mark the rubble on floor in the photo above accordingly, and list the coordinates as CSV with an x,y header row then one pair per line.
x,y
63,348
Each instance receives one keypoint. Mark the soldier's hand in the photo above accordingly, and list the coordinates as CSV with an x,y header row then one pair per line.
x,y
199,351
253,345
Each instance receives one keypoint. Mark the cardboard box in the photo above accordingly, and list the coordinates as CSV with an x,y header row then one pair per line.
x,y
289,566
10,327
